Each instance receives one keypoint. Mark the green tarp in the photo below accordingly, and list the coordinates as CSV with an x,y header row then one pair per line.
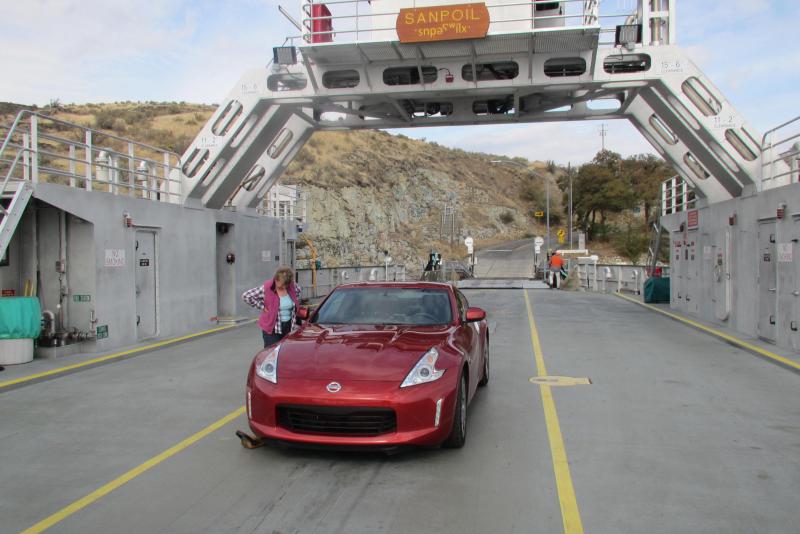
x,y
20,318
656,290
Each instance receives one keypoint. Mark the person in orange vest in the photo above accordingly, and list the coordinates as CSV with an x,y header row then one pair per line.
x,y
556,264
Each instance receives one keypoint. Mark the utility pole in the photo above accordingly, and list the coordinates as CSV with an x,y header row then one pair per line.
x,y
569,174
603,133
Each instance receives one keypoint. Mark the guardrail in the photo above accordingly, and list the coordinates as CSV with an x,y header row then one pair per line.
x,y
365,20
780,153
609,278
38,148
329,278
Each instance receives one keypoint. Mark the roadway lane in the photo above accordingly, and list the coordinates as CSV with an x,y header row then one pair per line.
x,y
93,426
678,433
513,259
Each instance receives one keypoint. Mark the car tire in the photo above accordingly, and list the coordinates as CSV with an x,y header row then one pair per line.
x,y
485,377
458,435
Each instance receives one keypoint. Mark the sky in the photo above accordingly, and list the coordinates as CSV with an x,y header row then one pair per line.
x,y
80,51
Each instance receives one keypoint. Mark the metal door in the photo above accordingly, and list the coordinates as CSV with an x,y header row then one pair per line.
x,y
146,288
677,269
692,269
767,281
794,320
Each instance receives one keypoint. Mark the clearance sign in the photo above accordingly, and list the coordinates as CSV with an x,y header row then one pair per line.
x,y
443,23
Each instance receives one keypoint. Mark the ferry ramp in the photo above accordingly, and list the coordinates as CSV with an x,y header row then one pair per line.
x,y
677,432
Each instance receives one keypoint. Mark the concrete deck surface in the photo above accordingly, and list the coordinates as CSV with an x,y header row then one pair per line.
x,y
679,432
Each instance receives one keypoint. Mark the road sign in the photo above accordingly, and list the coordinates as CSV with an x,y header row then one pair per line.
x,y
539,214
537,249
539,241
561,232
470,250
469,242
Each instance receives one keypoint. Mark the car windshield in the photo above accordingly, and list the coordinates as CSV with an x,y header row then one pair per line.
x,y
383,305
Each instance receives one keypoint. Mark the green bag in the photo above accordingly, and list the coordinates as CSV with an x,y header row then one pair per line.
x,y
20,318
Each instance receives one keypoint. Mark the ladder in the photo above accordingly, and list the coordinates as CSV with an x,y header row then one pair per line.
x,y
655,246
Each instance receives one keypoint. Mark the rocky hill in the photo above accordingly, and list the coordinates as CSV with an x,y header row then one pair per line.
x,y
368,191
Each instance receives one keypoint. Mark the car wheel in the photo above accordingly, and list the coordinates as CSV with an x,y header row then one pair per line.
x,y
458,435
485,379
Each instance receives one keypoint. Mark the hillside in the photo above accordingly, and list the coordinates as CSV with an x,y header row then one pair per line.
x,y
368,191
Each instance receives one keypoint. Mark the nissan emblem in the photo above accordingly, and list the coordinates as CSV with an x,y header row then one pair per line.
x,y
334,387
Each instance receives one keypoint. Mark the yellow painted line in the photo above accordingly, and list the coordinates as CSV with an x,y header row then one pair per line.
x,y
570,515
115,355
722,335
97,494
559,381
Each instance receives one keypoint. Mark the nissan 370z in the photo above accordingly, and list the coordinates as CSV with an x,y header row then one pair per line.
x,y
376,365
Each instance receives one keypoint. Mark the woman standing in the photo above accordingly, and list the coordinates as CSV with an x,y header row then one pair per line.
x,y
278,299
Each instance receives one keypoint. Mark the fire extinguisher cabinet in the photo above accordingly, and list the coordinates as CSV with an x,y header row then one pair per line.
x,y
320,24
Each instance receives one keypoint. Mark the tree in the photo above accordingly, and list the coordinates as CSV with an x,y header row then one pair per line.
x,y
599,188
646,173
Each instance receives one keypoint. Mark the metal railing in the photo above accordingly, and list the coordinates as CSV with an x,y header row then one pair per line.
x,y
40,148
676,196
365,20
780,153
285,202
329,278
610,278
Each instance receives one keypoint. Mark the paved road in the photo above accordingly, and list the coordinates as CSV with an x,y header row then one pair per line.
x,y
678,433
513,259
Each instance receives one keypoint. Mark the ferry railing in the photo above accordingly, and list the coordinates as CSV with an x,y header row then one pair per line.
x,y
780,154
611,278
41,148
676,196
363,20
287,202
328,278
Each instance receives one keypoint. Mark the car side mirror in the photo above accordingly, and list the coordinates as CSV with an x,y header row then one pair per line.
x,y
475,314
302,313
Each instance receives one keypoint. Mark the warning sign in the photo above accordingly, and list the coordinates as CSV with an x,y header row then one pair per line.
x,y
693,219
115,257
785,252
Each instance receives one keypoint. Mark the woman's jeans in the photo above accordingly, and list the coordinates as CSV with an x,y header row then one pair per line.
x,y
271,338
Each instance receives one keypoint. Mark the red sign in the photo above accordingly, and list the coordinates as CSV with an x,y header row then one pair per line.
x,y
443,23
693,219
8,293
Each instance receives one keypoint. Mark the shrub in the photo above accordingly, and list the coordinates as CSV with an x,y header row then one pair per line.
x,y
506,217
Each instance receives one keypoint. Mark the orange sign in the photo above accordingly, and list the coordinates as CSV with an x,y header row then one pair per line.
x,y
443,23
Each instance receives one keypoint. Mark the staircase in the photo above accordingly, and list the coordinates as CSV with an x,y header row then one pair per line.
x,y
13,199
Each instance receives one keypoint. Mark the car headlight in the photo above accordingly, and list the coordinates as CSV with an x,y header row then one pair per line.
x,y
425,371
268,368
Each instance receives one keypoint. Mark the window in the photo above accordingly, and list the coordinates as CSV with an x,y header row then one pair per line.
x,y
564,66
409,75
386,305
501,70
340,79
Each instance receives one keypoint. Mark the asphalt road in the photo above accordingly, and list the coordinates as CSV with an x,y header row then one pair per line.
x,y
513,259
678,432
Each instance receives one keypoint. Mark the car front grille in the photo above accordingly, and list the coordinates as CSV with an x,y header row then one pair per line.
x,y
337,421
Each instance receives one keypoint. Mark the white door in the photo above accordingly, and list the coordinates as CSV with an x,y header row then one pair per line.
x,y
146,289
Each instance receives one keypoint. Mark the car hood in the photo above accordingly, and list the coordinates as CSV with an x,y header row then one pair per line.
x,y
356,352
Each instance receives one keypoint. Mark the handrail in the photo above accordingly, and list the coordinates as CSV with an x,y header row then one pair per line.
x,y
143,167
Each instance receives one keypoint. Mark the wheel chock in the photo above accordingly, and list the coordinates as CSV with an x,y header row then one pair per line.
x,y
248,441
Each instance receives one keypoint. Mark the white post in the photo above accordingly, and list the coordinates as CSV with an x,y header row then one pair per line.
x,y
72,170
34,148
89,163
26,156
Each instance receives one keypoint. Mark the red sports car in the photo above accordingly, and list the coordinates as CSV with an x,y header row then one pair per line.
x,y
377,365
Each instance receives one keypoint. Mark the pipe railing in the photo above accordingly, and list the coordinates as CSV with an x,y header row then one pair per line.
x,y
97,160
356,21
780,152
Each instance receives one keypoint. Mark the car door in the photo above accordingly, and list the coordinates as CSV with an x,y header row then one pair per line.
x,y
470,342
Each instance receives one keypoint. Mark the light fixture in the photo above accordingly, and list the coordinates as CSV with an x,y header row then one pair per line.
x,y
628,35
284,55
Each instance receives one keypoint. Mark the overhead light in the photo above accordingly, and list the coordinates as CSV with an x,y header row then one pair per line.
x,y
628,35
284,55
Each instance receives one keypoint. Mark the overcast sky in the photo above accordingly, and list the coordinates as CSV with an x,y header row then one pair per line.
x,y
195,50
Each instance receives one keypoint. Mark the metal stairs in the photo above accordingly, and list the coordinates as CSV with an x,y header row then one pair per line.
x,y
13,200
